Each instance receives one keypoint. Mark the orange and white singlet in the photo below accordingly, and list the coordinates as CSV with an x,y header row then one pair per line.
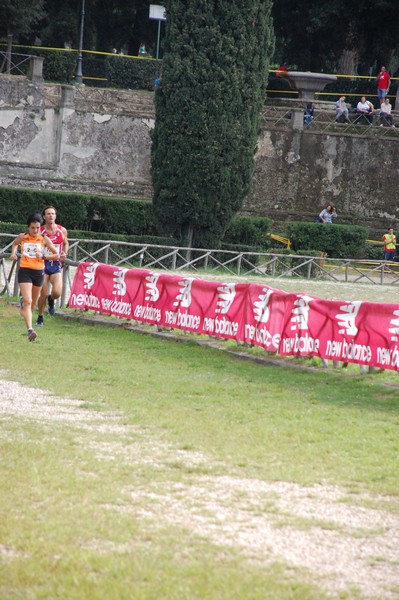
x,y
29,246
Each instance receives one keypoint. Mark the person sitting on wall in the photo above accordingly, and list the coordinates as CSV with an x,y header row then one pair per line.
x,y
341,110
365,110
308,114
385,113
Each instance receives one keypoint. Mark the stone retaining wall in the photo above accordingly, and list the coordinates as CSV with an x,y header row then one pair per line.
x,y
98,141
298,172
76,139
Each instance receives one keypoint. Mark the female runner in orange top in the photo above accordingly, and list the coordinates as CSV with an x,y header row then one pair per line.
x,y
31,269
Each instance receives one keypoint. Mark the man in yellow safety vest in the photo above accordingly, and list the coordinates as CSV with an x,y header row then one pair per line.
x,y
389,244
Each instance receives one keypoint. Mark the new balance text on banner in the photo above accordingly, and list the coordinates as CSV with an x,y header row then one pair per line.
x,y
366,333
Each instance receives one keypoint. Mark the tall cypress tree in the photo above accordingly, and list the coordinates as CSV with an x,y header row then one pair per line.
x,y
214,76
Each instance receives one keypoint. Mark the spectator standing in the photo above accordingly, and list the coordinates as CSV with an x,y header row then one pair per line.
x,y
281,71
365,109
33,246
341,110
328,214
385,113
58,235
383,83
389,244
143,50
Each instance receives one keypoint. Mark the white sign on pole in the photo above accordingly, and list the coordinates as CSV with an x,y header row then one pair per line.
x,y
157,12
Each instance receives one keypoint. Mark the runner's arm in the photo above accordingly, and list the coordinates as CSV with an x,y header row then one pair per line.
x,y
14,247
54,254
65,247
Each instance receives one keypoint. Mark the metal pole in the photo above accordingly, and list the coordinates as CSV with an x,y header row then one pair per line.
x,y
159,35
9,53
79,73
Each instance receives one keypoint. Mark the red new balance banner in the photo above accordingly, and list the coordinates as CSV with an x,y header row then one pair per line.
x,y
289,324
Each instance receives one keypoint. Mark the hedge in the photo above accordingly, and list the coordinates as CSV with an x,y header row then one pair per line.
x,y
79,211
107,70
16,228
131,73
132,217
59,66
249,231
289,258
374,252
337,241
111,215
17,204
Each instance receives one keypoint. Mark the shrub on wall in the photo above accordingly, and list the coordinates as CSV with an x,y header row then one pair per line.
x,y
59,66
249,231
17,204
120,215
12,228
374,252
118,71
110,215
94,71
338,241
131,73
79,211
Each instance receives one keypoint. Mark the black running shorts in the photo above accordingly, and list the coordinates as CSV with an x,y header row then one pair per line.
x,y
33,276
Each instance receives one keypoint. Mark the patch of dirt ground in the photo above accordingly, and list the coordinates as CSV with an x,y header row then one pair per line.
x,y
337,539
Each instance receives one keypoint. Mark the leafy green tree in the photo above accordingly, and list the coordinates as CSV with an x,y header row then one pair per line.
x,y
108,24
18,17
62,22
214,74
337,35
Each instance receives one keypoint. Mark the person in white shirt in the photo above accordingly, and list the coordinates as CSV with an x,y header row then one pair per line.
x,y
327,214
385,113
365,110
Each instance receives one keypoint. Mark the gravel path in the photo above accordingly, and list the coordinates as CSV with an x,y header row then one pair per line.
x,y
339,542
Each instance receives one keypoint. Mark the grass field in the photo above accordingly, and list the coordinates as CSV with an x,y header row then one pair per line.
x,y
139,467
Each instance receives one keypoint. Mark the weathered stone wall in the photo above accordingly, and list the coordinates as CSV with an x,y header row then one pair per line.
x,y
98,141
65,138
298,172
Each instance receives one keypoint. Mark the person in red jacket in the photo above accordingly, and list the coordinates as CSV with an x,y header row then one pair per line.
x,y
383,83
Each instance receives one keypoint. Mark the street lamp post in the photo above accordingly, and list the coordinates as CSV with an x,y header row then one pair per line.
x,y
158,13
79,73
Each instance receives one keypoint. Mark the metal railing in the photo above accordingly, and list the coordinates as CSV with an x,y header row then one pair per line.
x,y
203,261
14,64
280,117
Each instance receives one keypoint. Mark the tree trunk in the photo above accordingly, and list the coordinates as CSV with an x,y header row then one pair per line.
x,y
348,62
190,236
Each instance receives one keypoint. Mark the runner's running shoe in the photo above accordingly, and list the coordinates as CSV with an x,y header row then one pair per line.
x,y
39,321
32,335
51,308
